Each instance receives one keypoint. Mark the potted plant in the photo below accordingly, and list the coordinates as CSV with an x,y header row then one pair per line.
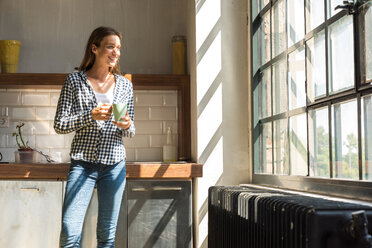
x,y
25,153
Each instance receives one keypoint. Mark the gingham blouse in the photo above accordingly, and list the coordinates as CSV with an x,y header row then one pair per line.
x,y
97,142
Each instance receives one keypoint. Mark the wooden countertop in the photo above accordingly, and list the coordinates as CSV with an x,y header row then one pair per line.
x,y
148,170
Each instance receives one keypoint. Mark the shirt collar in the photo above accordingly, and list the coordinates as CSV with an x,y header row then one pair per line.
x,y
84,75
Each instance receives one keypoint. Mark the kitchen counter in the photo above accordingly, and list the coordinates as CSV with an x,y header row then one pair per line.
x,y
143,170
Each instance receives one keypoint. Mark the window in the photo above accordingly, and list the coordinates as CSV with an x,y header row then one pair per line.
x,y
312,94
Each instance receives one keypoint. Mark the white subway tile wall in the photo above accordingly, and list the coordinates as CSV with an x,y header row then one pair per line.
x,y
160,140
10,98
155,111
149,154
36,98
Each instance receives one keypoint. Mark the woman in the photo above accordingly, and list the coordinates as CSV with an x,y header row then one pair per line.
x,y
97,151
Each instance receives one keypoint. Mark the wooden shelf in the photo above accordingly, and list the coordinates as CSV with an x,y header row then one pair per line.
x,y
181,83
140,81
146,170
27,80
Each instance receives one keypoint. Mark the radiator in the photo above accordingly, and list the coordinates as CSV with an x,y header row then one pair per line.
x,y
250,217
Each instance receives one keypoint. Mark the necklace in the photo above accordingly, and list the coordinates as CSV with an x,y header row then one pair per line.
x,y
102,86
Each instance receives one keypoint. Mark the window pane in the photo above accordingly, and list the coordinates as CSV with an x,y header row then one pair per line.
x,y
281,157
296,79
368,40
319,143
367,137
254,8
256,105
331,7
316,66
256,128
265,38
298,145
345,140
266,165
279,87
257,6
256,54
265,88
278,28
295,20
261,43
314,14
341,54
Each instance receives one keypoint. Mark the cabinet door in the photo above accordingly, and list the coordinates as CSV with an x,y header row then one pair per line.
x,y
159,214
30,214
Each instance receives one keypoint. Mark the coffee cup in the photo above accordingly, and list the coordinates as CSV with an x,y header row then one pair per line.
x,y
119,110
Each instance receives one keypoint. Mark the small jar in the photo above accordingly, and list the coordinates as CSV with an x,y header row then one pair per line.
x,y
179,54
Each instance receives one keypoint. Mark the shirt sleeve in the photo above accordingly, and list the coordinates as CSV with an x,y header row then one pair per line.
x,y
129,132
66,119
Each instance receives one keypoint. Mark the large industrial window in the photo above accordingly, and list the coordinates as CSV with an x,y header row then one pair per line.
x,y
312,95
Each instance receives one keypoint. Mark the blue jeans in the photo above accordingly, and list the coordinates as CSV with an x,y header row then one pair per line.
x,y
82,178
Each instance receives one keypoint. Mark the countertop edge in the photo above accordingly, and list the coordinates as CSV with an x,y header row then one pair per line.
x,y
138,170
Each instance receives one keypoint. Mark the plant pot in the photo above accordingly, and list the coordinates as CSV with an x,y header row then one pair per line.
x,y
9,53
29,157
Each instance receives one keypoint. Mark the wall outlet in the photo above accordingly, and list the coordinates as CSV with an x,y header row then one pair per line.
x,y
4,121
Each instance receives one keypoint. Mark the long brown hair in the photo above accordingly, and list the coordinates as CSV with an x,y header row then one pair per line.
x,y
95,38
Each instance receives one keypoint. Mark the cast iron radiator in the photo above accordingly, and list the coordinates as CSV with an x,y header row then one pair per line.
x,y
250,217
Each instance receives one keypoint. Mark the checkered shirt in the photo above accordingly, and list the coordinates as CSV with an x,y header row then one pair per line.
x,y
97,142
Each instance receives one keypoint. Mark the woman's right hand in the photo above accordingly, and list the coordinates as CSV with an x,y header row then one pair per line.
x,y
102,112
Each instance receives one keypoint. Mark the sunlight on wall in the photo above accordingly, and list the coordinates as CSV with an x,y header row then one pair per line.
x,y
206,18
209,121
209,105
208,68
203,227
213,170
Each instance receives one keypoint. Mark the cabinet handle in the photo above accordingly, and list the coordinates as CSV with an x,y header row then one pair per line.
x,y
143,189
30,189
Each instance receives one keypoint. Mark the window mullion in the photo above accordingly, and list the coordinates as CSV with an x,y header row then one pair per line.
x,y
326,51
360,165
357,52
330,140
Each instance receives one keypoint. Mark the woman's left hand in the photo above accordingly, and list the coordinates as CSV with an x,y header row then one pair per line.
x,y
124,123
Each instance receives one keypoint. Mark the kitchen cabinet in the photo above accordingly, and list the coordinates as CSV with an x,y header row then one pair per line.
x,y
30,213
159,213
154,213
157,200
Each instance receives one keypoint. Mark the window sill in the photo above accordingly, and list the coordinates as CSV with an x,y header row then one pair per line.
x,y
357,190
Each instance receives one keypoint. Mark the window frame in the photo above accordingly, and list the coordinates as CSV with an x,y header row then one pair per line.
x,y
355,189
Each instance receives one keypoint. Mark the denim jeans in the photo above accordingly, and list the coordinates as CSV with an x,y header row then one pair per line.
x,y
82,178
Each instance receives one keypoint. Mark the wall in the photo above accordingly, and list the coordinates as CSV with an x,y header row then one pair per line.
x,y
218,67
220,96
54,33
154,112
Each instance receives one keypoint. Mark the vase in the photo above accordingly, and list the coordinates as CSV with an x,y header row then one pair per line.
x,y
9,53
25,157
